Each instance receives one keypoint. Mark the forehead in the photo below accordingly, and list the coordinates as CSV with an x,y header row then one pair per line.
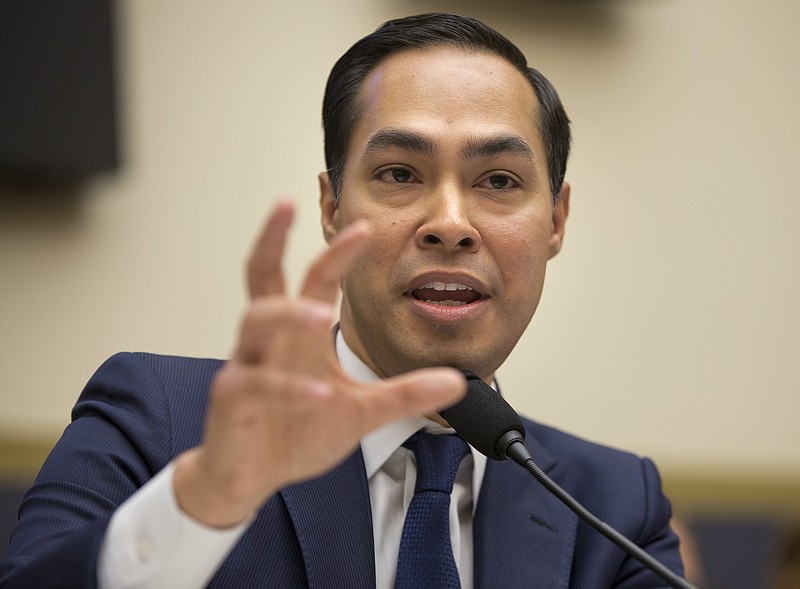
x,y
447,92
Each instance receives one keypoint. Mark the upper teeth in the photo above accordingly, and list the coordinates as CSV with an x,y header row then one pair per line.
x,y
446,286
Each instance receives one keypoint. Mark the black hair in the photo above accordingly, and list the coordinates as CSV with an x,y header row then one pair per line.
x,y
341,110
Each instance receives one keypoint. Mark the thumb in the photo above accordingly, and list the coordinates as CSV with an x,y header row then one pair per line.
x,y
423,392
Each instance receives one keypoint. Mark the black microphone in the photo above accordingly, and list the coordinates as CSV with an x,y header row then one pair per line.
x,y
485,420
491,426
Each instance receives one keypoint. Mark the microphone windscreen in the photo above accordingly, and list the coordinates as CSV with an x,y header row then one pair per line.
x,y
482,417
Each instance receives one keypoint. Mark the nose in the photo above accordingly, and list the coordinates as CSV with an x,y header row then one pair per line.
x,y
447,224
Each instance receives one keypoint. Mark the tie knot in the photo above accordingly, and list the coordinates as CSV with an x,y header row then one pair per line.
x,y
438,458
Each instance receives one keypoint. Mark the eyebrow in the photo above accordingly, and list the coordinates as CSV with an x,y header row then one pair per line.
x,y
480,147
475,147
400,139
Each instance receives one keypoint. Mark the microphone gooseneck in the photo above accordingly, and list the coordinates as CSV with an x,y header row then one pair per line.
x,y
490,425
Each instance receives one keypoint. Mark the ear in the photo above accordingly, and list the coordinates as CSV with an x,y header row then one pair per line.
x,y
329,211
560,213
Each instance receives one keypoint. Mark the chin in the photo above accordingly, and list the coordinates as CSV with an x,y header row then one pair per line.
x,y
471,362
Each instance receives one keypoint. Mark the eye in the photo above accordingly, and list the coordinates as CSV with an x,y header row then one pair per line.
x,y
498,182
394,175
400,175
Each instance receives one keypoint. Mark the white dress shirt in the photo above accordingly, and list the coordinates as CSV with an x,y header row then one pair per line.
x,y
150,543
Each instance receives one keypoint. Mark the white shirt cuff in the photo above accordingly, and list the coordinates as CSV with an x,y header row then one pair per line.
x,y
151,543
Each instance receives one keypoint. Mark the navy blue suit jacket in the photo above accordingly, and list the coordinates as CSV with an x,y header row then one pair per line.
x,y
139,411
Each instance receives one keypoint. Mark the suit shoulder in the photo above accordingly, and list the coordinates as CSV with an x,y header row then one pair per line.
x,y
143,372
161,365
564,445
151,392
607,480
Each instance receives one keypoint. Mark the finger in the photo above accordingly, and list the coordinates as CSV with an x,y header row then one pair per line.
x,y
265,268
239,390
307,346
422,392
324,276
279,330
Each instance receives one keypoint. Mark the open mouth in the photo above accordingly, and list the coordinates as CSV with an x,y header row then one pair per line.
x,y
448,294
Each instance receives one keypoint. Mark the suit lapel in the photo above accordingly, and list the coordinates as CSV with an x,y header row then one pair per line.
x,y
333,521
524,536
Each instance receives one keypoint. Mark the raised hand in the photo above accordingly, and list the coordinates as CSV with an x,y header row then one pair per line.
x,y
281,410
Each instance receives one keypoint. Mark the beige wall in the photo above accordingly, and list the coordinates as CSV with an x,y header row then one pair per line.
x,y
670,322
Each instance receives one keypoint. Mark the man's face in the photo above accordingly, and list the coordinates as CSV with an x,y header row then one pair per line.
x,y
448,166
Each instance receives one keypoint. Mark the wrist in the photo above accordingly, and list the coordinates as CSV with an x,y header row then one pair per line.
x,y
206,500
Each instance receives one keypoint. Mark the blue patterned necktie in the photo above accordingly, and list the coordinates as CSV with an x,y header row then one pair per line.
x,y
426,558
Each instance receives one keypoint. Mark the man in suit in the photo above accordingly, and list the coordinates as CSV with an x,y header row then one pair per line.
x,y
284,466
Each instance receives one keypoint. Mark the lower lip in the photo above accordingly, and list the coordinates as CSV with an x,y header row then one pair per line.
x,y
443,314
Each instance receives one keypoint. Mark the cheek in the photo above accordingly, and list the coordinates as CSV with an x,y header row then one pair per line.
x,y
523,258
391,233
374,267
383,251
